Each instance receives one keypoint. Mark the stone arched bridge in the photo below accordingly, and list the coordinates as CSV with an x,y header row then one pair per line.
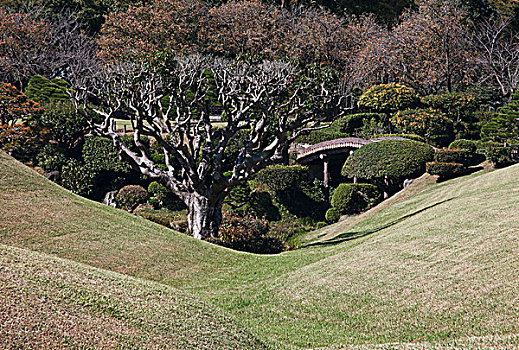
x,y
325,159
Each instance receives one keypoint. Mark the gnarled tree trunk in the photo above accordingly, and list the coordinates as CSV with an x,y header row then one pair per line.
x,y
204,215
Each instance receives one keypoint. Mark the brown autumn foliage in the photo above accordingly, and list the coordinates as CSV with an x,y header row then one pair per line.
x,y
15,106
22,42
430,47
161,26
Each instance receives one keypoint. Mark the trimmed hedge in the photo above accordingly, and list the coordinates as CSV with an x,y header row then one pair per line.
x,y
351,198
397,159
129,197
468,145
332,215
446,170
448,155
281,178
389,98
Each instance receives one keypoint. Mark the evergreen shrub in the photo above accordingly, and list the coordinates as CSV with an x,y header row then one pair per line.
x,y
130,196
351,198
468,145
452,155
389,98
446,170
332,215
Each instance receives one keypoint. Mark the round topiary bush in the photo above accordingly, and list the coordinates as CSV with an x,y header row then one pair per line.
x,y
129,197
468,145
446,170
332,215
353,198
389,98
388,162
429,123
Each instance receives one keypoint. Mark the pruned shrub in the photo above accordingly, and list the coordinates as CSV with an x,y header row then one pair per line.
x,y
502,156
353,198
388,98
429,123
129,197
452,155
50,159
332,215
388,162
446,171
281,178
247,233
468,145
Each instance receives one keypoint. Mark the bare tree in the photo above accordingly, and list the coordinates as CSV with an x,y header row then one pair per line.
x,y
498,49
274,101
32,42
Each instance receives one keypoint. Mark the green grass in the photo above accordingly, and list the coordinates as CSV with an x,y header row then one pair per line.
x,y
48,302
439,267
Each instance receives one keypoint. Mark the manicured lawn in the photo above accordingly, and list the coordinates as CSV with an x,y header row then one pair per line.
x,y
438,266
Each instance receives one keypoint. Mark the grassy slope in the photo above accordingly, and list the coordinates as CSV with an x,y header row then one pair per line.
x,y
48,302
438,266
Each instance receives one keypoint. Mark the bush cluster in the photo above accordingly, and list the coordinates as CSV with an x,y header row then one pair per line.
x,y
247,233
77,177
389,98
502,156
453,155
446,170
129,197
431,124
351,198
468,145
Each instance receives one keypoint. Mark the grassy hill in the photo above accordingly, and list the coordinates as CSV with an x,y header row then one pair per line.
x,y
48,302
438,267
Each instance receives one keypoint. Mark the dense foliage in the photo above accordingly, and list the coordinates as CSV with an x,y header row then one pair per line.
x,y
388,98
445,170
130,196
453,155
247,233
388,162
332,215
429,123
353,198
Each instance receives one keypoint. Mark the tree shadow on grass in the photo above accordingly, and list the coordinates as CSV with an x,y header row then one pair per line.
x,y
349,236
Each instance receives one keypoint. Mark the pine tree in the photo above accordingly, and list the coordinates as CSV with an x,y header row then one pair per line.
x,y
504,126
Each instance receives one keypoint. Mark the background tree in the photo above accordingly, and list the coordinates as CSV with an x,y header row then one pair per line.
x,y
32,44
144,30
498,48
431,51
275,101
